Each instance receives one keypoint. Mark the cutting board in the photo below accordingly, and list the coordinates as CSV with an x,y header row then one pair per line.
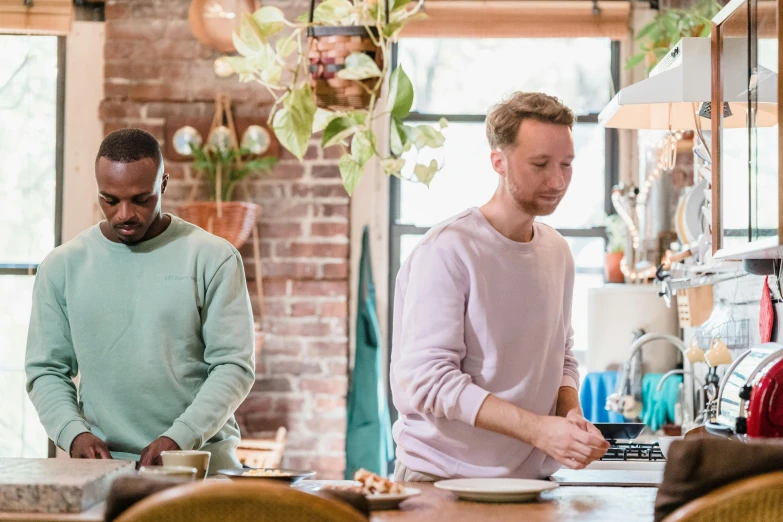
x,y
57,485
608,477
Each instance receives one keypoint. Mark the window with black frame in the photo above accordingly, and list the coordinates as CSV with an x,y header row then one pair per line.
x,y
459,79
31,111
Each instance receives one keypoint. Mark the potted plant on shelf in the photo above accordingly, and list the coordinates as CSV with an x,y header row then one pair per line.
x,y
615,249
326,71
668,26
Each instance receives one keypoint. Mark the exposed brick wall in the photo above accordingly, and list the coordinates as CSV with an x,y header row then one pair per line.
x,y
155,69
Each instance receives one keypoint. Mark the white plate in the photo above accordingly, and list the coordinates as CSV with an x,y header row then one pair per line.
x,y
386,501
496,490
377,502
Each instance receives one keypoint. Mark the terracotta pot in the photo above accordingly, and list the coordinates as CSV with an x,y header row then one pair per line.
x,y
612,272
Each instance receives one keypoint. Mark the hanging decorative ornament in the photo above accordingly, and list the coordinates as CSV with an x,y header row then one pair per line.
x,y
221,138
718,353
694,353
221,68
256,139
213,21
184,138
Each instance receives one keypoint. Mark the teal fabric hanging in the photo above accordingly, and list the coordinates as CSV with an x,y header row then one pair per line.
x,y
368,442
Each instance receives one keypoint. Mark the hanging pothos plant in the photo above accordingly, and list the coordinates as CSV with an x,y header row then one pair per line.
x,y
274,53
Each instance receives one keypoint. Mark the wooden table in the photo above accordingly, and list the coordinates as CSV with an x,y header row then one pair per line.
x,y
583,504
564,504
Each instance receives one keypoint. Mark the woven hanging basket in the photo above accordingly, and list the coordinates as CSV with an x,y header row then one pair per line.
x,y
329,47
234,225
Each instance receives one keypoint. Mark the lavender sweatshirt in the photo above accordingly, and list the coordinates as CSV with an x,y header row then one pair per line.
x,y
477,313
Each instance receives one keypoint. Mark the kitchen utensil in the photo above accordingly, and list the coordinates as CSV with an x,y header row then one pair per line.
x,y
377,502
496,490
188,458
620,430
283,475
747,400
182,473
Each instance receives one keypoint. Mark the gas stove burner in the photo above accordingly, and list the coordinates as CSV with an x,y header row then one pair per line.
x,y
633,451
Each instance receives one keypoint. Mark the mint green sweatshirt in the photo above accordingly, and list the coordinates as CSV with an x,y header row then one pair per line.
x,y
160,334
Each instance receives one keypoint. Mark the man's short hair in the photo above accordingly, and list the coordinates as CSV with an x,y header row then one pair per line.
x,y
503,119
129,145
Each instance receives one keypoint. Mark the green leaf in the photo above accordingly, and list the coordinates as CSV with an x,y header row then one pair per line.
x,y
322,119
398,137
395,5
426,136
285,46
332,12
706,31
270,20
645,30
293,123
272,74
337,130
363,146
262,59
359,66
392,166
425,173
238,64
400,94
358,116
351,172
443,122
635,60
246,38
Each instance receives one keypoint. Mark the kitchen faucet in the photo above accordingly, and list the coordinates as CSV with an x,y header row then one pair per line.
x,y
668,374
618,402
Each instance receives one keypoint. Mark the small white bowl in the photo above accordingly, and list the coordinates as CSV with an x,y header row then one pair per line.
x,y
664,441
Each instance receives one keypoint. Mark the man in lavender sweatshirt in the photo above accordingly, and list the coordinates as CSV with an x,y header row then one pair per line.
x,y
482,370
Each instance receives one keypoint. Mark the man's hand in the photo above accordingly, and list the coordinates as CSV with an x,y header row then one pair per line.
x,y
150,456
569,441
88,446
577,418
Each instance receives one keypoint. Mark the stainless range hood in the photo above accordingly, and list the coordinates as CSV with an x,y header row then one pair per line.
x,y
681,82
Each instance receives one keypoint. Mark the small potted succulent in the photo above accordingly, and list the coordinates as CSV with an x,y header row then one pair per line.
x,y
326,71
615,249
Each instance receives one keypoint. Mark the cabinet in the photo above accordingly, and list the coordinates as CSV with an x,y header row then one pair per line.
x,y
747,181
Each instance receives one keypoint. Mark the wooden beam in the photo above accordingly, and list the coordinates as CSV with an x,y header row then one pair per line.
x,y
521,19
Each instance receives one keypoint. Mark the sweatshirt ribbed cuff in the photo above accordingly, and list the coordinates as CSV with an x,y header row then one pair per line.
x,y
570,382
184,436
469,403
70,431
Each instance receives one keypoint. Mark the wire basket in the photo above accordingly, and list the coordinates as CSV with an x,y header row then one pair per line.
x,y
724,323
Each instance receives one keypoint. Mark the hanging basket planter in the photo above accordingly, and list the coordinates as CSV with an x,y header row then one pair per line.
x,y
234,221
329,48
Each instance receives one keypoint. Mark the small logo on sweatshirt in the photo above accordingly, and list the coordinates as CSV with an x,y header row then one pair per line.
x,y
179,278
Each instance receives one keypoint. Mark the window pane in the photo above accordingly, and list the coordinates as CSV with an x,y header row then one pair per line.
x,y
467,76
16,296
467,179
588,255
28,143
21,434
